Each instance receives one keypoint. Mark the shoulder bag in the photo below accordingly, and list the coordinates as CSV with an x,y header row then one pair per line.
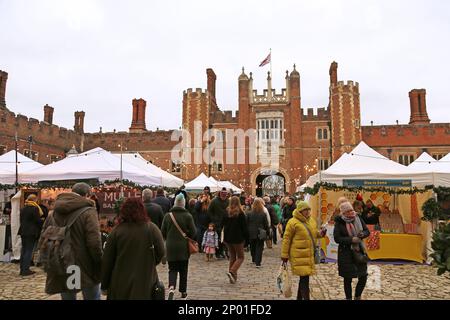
x,y
316,248
192,244
158,290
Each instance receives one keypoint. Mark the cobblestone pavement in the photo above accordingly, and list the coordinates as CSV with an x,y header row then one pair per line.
x,y
207,280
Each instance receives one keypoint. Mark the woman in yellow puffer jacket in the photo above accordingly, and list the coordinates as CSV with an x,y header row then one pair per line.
x,y
298,247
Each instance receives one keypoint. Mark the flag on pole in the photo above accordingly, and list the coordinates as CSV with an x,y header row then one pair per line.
x,y
265,61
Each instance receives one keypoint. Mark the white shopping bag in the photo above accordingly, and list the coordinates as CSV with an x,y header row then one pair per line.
x,y
284,281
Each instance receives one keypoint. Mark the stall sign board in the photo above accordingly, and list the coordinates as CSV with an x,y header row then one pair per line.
x,y
377,183
108,199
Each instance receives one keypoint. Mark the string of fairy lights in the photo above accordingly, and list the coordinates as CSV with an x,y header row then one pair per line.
x,y
241,177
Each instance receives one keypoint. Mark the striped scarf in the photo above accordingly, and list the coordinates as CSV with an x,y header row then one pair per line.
x,y
354,228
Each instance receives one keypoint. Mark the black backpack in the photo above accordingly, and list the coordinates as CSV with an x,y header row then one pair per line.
x,y
56,252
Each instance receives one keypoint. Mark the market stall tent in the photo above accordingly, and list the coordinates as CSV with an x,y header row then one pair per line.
x,y
364,163
93,164
166,179
229,185
8,166
438,171
201,182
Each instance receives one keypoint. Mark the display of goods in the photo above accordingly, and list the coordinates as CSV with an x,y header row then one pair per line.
x,y
373,241
411,228
391,223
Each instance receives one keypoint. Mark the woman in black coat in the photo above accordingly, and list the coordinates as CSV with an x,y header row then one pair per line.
x,y
349,232
256,221
235,234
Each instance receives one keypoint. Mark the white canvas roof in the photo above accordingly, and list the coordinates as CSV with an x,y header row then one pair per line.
x,y
8,166
446,158
93,164
166,179
365,163
201,182
229,185
438,170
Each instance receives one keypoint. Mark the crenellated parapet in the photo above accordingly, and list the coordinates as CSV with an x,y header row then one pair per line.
x,y
223,117
269,97
322,114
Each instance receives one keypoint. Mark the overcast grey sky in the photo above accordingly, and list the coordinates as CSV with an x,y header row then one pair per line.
x,y
97,56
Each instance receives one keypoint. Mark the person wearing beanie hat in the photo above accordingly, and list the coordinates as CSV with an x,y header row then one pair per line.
x,y
177,245
180,201
349,231
299,246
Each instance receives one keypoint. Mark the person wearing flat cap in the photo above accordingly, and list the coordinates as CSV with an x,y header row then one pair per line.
x,y
299,246
217,211
349,232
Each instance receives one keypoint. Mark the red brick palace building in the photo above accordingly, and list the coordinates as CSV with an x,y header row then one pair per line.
x,y
305,138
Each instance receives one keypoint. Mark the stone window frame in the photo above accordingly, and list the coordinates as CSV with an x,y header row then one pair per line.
x,y
323,161
34,154
322,131
217,167
436,156
409,157
56,156
175,167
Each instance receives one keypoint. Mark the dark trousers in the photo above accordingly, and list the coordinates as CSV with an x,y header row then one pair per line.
x,y
303,288
200,233
180,267
256,249
274,234
359,287
220,251
26,254
8,240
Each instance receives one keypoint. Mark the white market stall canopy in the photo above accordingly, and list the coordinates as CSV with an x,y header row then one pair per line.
x,y
225,184
201,182
438,170
166,179
364,163
229,185
8,166
93,164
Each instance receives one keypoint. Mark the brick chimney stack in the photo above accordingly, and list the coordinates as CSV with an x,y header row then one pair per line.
x,y
333,73
79,121
211,86
3,79
48,114
138,121
418,105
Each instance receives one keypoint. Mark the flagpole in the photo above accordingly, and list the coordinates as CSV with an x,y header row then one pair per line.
x,y
271,75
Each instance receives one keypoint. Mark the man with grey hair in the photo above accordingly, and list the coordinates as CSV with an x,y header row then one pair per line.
x,y
74,207
154,211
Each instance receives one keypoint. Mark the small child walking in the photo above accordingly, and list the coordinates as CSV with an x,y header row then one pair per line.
x,y
210,242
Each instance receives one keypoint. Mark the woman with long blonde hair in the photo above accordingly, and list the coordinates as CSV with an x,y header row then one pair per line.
x,y
258,230
235,235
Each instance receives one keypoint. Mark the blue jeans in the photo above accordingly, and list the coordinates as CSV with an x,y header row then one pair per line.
x,y
26,253
88,294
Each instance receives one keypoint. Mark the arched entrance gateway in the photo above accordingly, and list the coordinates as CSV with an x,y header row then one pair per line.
x,y
270,182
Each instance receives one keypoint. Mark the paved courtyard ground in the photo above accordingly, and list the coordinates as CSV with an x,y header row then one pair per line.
x,y
208,281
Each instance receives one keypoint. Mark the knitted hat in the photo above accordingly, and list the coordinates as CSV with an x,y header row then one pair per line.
x,y
180,201
346,206
302,205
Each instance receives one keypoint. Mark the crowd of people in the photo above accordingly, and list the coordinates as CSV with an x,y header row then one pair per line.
x,y
121,259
